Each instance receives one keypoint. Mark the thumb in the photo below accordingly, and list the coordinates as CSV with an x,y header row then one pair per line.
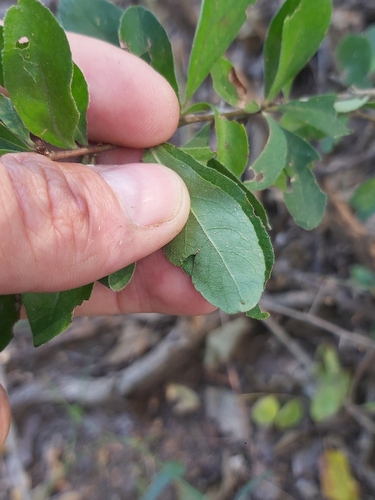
x,y
4,415
64,225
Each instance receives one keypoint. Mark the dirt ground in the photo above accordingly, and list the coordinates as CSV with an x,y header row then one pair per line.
x,y
107,408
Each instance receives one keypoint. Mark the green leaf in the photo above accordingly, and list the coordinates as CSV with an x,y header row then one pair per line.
x,y
201,139
96,18
362,276
1,56
10,143
354,59
200,154
80,92
299,24
51,313
317,112
144,36
10,118
257,313
218,25
257,207
251,206
363,200
290,414
118,280
38,72
10,307
305,201
330,395
350,104
219,246
265,410
228,86
370,35
232,145
170,472
272,160
221,74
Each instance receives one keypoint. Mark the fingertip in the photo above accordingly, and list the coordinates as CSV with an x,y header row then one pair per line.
x,y
131,105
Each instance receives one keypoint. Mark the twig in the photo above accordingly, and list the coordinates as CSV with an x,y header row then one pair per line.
x,y
289,343
73,153
361,418
210,117
357,338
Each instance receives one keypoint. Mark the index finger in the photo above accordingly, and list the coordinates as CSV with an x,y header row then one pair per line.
x,y
131,105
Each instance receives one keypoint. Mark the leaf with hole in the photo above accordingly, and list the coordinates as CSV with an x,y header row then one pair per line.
x,y
37,76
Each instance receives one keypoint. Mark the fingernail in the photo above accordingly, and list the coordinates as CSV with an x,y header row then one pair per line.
x,y
150,193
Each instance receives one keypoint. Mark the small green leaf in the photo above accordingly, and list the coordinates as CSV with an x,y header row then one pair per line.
x,y
80,92
228,86
305,201
317,112
96,18
362,276
363,200
299,23
232,145
265,410
51,313
10,307
38,72
144,36
350,104
10,118
219,246
354,59
169,472
290,414
257,313
218,25
272,160
10,143
330,395
118,280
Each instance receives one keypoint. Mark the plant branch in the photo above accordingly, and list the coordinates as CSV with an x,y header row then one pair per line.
x,y
93,149
356,338
236,114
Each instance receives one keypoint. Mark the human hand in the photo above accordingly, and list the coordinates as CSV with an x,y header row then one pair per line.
x,y
66,225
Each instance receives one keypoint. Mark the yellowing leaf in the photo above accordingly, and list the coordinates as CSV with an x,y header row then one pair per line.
x,y
336,480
